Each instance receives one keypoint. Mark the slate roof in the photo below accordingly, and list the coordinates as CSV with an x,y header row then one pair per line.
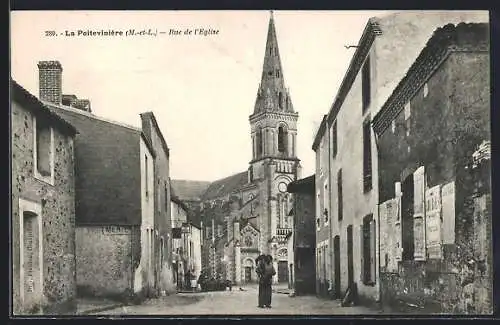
x,y
189,190
303,185
225,186
31,102
108,174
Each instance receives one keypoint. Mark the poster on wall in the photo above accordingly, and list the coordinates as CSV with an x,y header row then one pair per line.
x,y
419,213
397,234
448,213
433,221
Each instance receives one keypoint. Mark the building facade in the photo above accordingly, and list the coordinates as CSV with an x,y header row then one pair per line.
x,y
163,224
303,236
435,197
43,208
116,232
383,55
246,214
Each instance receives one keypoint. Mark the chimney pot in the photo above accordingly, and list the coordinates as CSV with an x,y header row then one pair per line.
x,y
50,81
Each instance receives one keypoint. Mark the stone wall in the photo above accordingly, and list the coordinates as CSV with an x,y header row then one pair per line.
x,y
107,258
57,204
441,126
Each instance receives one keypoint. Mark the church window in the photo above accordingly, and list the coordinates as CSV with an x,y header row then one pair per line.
x,y
270,50
282,135
248,241
280,99
278,73
259,142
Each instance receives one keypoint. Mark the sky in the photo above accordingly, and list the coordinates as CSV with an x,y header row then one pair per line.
x,y
201,89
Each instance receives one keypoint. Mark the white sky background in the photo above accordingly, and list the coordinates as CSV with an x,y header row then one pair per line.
x,y
201,89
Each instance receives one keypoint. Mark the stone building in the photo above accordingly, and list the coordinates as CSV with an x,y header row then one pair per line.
x,y
387,47
303,235
435,215
43,208
163,224
255,220
323,212
117,231
186,242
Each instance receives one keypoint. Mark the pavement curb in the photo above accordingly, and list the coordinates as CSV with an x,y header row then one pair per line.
x,y
100,309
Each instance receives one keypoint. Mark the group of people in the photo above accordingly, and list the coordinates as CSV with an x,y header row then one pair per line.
x,y
265,271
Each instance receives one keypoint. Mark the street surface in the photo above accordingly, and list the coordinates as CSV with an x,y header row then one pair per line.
x,y
238,302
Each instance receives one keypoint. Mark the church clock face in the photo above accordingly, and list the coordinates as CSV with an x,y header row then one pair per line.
x,y
282,187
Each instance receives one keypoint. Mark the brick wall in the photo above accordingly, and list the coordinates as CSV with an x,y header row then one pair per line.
x,y
58,215
105,260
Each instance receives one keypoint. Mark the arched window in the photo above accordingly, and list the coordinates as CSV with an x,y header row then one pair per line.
x,y
280,99
282,139
259,142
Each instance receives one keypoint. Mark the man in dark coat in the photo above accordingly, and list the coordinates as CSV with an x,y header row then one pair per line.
x,y
266,271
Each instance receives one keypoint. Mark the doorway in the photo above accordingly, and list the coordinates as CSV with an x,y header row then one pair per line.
x,y
407,218
350,260
282,271
336,256
248,274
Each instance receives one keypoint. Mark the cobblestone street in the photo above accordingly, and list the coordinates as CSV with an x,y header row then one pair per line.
x,y
238,302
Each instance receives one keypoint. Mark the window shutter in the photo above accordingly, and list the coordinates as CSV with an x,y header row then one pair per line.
x,y
372,250
29,254
419,214
361,253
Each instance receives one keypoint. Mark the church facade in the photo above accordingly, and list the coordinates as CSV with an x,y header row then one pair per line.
x,y
248,213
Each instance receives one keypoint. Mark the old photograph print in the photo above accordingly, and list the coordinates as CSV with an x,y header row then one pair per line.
x,y
250,163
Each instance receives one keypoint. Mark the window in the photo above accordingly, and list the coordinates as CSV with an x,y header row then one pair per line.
x,y
426,90
282,139
248,241
162,247
43,150
259,142
280,99
146,172
270,50
334,139
393,126
166,196
407,112
367,157
365,84
318,209
367,235
278,74
325,202
339,191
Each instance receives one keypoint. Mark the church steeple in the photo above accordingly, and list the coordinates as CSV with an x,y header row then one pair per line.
x,y
273,123
272,94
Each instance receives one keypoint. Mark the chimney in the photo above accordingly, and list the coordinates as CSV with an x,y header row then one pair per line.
x,y
50,81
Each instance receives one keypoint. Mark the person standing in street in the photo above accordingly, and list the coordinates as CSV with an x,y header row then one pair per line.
x,y
259,261
269,272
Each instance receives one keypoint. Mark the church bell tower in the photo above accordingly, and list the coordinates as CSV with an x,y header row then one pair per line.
x,y
274,161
